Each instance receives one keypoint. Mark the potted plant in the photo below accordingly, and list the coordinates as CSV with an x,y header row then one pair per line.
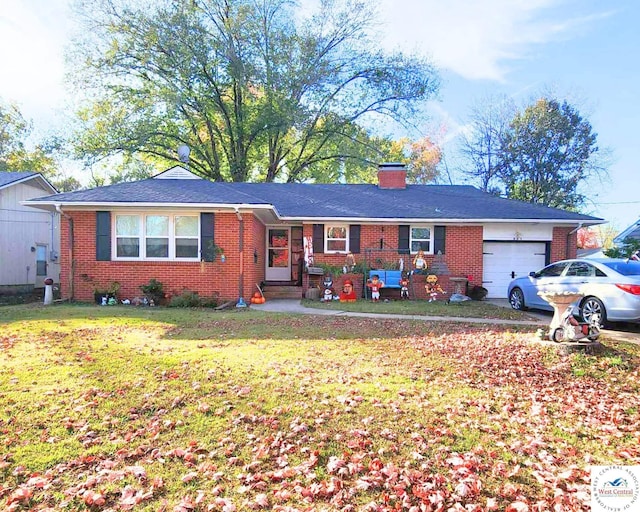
x,y
109,291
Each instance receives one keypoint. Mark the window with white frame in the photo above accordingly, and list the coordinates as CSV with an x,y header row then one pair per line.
x,y
421,238
157,236
336,238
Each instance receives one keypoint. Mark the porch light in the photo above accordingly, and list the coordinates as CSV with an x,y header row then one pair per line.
x,y
255,255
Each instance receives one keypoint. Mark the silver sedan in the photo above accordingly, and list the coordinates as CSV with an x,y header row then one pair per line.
x,y
611,288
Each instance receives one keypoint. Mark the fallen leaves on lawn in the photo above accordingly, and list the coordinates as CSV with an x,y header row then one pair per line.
x,y
470,419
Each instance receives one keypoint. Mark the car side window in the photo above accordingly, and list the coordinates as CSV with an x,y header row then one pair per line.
x,y
554,270
581,269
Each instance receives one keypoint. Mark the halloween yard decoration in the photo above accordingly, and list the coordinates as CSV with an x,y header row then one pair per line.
x,y
328,293
419,263
348,294
433,288
404,287
349,263
375,284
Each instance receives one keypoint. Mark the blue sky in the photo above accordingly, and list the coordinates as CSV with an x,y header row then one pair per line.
x,y
586,51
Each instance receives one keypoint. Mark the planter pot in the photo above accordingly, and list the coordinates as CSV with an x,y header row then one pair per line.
x,y
97,296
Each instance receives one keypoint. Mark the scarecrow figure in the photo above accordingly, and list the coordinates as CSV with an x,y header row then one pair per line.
x,y
433,288
404,286
347,294
375,284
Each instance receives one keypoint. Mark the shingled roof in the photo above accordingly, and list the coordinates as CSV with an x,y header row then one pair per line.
x,y
305,201
8,178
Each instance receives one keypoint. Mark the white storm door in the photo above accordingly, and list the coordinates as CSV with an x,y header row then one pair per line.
x,y
278,254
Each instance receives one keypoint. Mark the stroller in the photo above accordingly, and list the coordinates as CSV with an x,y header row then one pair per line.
x,y
572,330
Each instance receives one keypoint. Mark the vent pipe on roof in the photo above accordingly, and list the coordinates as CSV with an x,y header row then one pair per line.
x,y
392,176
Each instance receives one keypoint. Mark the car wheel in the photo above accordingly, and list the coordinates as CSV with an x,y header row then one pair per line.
x,y
516,299
592,306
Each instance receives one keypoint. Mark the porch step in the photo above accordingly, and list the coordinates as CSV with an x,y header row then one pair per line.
x,y
282,292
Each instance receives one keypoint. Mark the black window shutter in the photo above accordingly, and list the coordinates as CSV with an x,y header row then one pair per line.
x,y
207,229
439,234
354,238
318,238
403,239
103,236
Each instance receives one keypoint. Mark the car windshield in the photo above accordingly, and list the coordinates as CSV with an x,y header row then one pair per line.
x,y
626,268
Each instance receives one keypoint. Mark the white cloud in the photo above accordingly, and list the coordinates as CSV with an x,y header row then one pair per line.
x,y
477,39
32,37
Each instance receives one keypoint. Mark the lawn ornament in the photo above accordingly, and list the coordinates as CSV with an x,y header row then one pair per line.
x,y
328,290
433,288
349,263
347,294
375,284
419,263
571,329
404,286
257,298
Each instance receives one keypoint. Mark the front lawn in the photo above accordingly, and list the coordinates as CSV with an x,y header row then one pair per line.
x,y
194,410
470,308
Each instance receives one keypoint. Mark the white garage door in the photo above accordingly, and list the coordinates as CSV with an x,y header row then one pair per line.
x,y
502,261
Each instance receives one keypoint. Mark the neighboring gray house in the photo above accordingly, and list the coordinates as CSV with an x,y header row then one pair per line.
x,y
29,238
632,231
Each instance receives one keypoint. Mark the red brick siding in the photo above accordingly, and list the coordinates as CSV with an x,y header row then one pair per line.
x,y
392,179
564,245
463,256
463,250
206,278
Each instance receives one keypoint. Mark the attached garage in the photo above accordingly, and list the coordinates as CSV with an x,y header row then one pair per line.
x,y
502,261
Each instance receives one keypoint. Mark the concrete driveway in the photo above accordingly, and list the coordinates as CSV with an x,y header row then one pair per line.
x,y
617,332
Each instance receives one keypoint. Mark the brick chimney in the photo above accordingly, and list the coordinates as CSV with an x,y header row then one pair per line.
x,y
392,176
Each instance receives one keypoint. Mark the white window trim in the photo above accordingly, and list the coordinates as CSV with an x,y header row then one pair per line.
x,y
326,238
142,237
431,229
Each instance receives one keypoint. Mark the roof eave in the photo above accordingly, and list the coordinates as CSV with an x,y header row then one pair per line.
x,y
244,207
38,177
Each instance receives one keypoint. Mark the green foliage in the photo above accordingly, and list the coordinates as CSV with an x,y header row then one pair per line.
x,y
14,155
154,289
189,299
628,247
546,153
258,91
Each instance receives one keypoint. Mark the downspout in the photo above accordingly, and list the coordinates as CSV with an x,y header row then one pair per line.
x,y
241,254
566,251
72,263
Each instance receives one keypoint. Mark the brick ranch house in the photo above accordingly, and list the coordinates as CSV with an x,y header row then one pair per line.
x,y
224,238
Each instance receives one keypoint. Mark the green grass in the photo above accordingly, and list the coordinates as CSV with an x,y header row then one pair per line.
x,y
471,309
101,406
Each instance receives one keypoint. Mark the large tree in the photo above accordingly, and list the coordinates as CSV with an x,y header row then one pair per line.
x,y
14,154
480,142
548,151
255,89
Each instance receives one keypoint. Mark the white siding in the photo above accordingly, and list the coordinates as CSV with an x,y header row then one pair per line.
x,y
537,232
22,228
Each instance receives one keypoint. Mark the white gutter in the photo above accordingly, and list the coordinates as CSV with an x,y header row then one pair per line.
x,y
268,207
